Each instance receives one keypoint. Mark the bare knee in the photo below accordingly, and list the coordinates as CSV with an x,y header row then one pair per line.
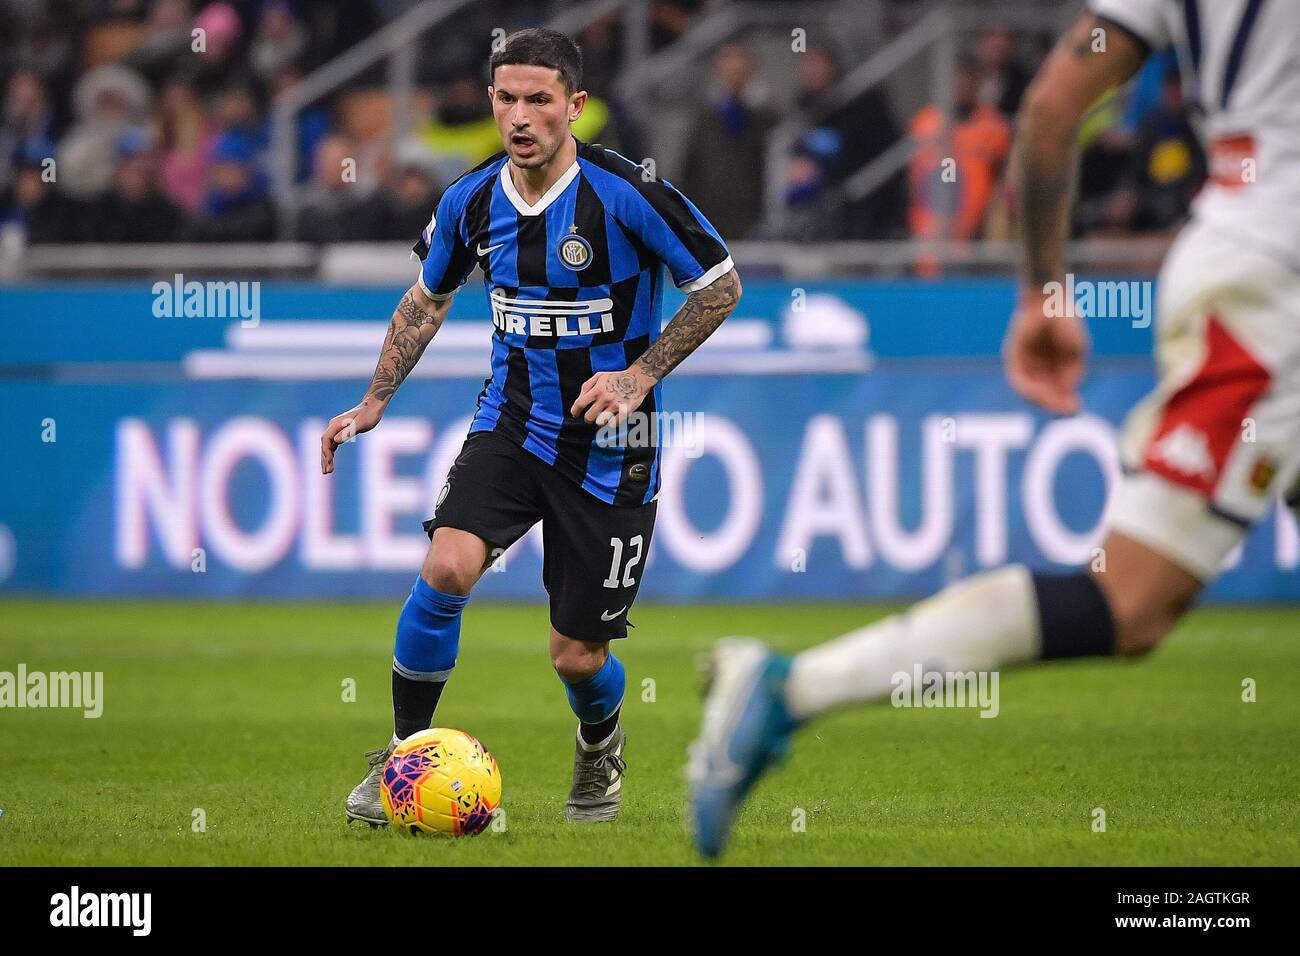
x,y
1139,633
454,562
1146,592
575,660
1142,615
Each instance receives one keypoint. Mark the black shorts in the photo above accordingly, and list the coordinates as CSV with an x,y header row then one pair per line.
x,y
595,552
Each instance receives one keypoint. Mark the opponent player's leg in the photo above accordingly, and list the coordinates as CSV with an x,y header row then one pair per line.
x,y
594,558
991,621
1195,485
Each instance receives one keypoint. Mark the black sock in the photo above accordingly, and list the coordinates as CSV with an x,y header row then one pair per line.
x,y
1074,616
413,703
593,734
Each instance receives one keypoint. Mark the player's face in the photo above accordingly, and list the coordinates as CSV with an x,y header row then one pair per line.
x,y
533,112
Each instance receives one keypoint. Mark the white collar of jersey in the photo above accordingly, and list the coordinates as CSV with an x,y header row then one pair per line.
x,y
550,196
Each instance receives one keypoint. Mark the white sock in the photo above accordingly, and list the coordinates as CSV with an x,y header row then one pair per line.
x,y
589,748
979,624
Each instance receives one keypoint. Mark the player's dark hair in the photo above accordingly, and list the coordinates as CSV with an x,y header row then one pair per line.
x,y
538,46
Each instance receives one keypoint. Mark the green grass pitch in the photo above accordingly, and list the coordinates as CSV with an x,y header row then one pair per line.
x,y
239,711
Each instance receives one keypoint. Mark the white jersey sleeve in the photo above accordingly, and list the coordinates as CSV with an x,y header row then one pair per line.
x,y
1148,20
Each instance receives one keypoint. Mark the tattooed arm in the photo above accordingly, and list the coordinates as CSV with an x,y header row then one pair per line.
x,y
414,324
1092,58
1044,354
608,394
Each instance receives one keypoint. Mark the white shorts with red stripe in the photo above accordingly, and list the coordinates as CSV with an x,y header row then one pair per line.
x,y
1206,453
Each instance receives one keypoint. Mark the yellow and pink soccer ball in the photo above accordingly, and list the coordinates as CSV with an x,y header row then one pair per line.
x,y
441,782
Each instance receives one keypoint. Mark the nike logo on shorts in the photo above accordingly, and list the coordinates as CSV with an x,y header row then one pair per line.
x,y
608,616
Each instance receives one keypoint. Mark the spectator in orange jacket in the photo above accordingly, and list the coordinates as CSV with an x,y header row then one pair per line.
x,y
955,177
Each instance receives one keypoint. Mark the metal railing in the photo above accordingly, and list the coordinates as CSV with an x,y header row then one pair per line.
x,y
389,264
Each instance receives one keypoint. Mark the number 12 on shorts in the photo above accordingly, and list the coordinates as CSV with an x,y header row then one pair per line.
x,y
625,580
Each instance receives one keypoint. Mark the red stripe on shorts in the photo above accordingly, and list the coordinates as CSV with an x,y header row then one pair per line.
x,y
1201,423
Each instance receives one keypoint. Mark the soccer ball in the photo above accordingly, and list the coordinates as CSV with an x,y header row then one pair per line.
x,y
440,781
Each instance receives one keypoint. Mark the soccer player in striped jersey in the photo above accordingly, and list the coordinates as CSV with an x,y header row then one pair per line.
x,y
572,239
1205,454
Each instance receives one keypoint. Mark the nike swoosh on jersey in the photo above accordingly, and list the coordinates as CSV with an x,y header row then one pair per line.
x,y
483,252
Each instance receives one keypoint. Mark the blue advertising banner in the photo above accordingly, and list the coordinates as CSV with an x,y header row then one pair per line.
x,y
776,487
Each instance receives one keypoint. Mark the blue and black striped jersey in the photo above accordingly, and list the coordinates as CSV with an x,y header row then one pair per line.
x,y
574,284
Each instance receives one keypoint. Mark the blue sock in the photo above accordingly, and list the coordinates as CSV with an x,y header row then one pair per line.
x,y
599,697
424,653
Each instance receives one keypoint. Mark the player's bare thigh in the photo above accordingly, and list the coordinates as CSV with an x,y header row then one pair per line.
x,y
1147,593
455,561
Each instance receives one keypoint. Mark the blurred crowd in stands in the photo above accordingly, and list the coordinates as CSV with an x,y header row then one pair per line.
x,y
148,121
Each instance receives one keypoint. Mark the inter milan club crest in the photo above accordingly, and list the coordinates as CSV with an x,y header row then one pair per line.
x,y
574,251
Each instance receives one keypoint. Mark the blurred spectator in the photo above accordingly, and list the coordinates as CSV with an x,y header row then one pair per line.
x,y
600,42
107,100
814,209
334,210
42,47
220,60
186,136
1005,78
236,208
280,40
410,195
1108,142
1167,169
858,130
724,162
165,41
669,19
464,131
313,121
136,209
44,214
27,124
239,113
953,174
602,55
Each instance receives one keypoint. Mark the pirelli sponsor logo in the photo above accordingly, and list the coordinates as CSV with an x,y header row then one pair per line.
x,y
539,317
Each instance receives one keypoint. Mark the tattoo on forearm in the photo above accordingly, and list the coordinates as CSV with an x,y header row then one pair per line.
x,y
411,329
701,313
1097,56
1046,193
